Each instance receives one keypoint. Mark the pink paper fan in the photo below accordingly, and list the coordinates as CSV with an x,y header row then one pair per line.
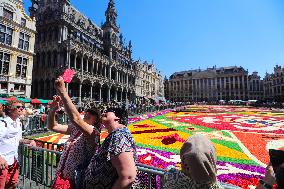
x,y
68,75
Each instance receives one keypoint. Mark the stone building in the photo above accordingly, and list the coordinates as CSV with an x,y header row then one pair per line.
x,y
274,85
255,87
212,84
166,88
149,82
17,38
67,38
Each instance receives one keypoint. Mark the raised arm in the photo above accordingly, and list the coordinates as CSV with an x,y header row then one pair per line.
x,y
71,109
51,122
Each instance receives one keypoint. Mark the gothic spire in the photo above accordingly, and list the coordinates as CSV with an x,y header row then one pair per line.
x,y
121,39
111,4
111,15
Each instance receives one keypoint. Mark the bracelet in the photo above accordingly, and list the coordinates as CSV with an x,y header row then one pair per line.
x,y
265,185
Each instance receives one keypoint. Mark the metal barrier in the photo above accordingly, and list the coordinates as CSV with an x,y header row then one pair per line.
x,y
38,166
33,125
37,123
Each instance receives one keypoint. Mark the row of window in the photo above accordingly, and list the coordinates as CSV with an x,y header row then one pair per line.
x,y
9,15
17,87
96,45
85,39
21,67
205,95
208,82
6,37
201,85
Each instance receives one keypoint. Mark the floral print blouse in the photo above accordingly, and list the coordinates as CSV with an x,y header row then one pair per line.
x,y
77,150
100,173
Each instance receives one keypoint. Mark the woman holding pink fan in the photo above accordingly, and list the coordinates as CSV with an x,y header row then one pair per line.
x,y
83,142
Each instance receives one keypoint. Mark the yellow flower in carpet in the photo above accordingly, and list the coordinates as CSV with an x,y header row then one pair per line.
x,y
223,151
151,133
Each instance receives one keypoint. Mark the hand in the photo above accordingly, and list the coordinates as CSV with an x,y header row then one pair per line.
x,y
32,143
3,163
269,175
56,103
60,85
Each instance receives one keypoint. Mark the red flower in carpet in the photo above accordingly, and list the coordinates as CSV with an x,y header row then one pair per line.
x,y
146,159
244,183
170,139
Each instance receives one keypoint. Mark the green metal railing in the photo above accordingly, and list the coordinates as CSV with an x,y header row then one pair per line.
x,y
36,124
38,167
33,125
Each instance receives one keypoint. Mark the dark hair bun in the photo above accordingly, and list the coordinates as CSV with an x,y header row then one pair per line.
x,y
96,112
121,113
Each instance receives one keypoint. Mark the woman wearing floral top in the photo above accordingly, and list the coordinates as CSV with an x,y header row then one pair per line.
x,y
113,167
84,136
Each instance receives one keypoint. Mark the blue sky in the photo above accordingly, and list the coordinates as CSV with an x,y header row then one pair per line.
x,y
190,34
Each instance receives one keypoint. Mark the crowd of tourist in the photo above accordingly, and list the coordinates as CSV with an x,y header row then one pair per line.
x,y
253,103
87,164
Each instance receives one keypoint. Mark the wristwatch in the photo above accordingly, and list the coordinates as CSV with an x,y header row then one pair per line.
x,y
265,185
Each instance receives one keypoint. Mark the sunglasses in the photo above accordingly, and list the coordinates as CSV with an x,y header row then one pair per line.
x,y
106,111
20,107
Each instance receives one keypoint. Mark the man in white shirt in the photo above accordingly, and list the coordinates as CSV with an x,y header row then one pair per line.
x,y
10,137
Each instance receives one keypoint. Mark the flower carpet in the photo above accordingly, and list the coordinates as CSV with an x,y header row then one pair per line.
x,y
241,135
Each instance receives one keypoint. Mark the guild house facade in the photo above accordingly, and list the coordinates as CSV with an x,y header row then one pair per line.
x,y
274,85
66,38
214,84
17,38
149,83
